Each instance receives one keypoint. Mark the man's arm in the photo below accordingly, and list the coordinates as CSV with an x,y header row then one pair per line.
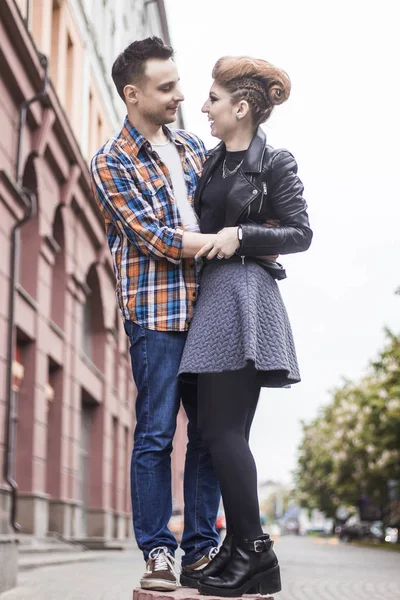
x,y
117,195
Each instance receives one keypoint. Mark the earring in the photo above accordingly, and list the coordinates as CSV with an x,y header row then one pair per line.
x,y
237,117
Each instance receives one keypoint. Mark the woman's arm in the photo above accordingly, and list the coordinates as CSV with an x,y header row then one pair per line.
x,y
226,243
288,206
293,232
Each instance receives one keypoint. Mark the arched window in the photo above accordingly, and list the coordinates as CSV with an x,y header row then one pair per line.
x,y
93,322
30,239
58,276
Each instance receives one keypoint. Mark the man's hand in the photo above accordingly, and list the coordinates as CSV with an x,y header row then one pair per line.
x,y
225,244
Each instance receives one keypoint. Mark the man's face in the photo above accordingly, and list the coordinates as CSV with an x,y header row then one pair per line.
x,y
158,94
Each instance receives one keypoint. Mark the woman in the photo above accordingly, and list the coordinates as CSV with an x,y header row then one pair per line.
x,y
240,337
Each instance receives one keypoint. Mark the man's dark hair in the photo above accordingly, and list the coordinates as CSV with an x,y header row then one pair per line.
x,y
129,66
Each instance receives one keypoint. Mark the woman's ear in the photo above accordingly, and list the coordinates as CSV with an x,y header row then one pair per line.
x,y
242,109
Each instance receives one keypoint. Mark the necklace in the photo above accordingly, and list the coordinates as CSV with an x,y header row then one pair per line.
x,y
227,172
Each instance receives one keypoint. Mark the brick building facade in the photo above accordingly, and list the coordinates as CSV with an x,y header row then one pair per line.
x,y
67,426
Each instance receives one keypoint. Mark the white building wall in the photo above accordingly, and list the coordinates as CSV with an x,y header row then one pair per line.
x,y
107,27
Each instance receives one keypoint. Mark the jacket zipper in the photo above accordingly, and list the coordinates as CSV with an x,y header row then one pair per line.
x,y
264,193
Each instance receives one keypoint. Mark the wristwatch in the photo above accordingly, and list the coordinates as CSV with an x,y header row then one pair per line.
x,y
240,238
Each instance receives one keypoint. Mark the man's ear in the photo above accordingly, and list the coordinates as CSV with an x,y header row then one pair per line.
x,y
131,93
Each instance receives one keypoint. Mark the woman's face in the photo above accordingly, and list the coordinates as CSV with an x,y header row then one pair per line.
x,y
221,112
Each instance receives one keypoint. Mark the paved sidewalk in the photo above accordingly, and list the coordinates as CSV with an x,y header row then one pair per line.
x,y
113,576
312,569
34,561
318,569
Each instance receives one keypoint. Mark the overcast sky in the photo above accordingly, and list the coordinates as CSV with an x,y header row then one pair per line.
x,y
342,124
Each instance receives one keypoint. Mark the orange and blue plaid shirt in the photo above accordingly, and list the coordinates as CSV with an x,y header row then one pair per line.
x,y
156,287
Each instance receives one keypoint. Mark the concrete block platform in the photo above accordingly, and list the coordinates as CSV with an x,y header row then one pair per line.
x,y
184,593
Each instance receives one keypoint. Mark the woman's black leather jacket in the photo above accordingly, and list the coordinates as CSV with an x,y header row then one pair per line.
x,y
265,187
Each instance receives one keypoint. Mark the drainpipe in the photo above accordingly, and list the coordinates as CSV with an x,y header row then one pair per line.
x,y
29,199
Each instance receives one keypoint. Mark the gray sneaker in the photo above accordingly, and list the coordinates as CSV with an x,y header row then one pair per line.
x,y
160,571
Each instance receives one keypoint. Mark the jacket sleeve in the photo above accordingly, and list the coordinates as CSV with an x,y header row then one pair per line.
x,y
285,197
120,201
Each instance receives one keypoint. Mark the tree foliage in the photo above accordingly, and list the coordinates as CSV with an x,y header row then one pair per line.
x,y
353,446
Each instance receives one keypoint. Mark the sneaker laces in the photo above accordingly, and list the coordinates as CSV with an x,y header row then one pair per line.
x,y
164,561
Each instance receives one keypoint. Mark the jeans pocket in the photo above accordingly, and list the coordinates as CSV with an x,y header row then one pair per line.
x,y
133,331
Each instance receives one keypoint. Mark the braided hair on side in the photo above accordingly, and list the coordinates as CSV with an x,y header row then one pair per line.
x,y
257,81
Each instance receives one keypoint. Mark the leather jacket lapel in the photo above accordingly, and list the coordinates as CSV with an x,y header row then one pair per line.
x,y
242,193
253,159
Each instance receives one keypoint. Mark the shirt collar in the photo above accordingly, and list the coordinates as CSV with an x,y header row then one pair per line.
x,y
136,140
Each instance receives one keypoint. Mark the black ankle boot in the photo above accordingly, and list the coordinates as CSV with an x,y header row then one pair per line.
x,y
191,578
220,560
252,568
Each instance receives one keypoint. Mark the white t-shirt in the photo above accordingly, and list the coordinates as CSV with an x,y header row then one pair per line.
x,y
170,156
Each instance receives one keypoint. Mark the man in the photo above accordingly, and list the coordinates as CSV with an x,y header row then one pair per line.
x,y
144,181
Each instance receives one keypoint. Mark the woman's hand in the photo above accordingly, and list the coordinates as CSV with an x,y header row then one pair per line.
x,y
225,244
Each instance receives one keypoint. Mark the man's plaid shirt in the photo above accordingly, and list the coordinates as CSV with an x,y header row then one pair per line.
x,y
156,287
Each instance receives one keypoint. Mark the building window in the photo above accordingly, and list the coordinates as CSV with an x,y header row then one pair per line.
x,y
58,284
94,335
87,341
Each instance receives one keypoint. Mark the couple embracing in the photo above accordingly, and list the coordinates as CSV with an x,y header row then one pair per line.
x,y
194,238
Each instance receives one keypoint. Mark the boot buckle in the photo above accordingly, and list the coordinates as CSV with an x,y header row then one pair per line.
x,y
259,546
262,545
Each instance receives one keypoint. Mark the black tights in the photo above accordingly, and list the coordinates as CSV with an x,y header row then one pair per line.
x,y
226,405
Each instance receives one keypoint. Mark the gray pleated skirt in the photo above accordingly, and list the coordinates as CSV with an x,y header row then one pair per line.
x,y
240,317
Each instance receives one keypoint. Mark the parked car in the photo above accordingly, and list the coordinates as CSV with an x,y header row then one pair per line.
x,y
358,531
367,531
391,535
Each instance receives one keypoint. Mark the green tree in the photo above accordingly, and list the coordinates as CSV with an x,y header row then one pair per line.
x,y
353,446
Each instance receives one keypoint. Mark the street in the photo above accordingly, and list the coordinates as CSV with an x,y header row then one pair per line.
x,y
312,569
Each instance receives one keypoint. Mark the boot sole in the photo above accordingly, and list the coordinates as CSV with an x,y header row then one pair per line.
x,y
268,582
189,582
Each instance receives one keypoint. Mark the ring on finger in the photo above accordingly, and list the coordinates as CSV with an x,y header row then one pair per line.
x,y
220,257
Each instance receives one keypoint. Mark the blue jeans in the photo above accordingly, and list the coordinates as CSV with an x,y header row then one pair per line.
x,y
155,357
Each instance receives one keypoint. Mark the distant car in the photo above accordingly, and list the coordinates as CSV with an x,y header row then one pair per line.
x,y
358,531
368,531
391,535
291,527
